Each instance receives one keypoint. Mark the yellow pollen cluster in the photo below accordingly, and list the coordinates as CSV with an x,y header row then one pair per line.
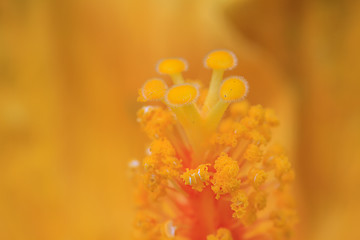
x,y
239,109
197,178
211,170
160,165
225,179
257,177
221,234
258,200
271,117
155,121
149,228
239,204
253,153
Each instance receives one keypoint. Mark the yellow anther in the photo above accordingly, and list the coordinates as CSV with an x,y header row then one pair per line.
x,y
170,167
182,94
155,121
155,184
239,129
168,230
256,137
282,166
249,122
249,217
197,178
257,113
257,177
271,118
225,178
162,147
153,89
150,162
222,234
221,59
239,109
226,125
253,154
273,152
173,67
233,89
239,204
258,200
144,223
228,139
288,177
280,218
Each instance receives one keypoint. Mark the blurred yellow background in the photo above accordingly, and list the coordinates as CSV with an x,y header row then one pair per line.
x,y
69,73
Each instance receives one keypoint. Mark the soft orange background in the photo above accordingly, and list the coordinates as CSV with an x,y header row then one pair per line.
x,y
69,73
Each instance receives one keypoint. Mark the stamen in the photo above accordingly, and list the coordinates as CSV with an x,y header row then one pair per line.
x,y
153,89
197,178
173,67
233,89
169,229
219,61
221,234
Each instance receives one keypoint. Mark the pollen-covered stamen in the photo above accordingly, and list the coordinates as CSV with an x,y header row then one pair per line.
x,y
153,89
197,178
232,89
239,204
225,178
173,67
168,229
221,234
219,61
257,177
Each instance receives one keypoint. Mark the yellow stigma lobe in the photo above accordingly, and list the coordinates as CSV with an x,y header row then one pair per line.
x,y
172,66
181,95
220,59
233,89
153,89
